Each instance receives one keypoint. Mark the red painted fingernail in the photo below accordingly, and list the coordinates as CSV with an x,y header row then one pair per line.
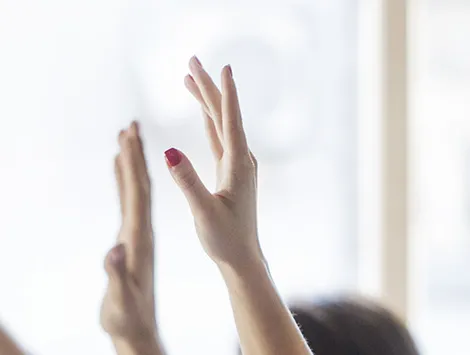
x,y
173,157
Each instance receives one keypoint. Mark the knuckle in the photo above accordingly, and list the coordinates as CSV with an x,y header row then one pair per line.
x,y
244,168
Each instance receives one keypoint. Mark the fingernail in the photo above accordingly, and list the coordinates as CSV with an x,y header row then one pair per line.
x,y
196,63
229,67
173,157
118,254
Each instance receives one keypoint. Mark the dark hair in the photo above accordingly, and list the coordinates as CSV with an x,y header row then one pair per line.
x,y
347,327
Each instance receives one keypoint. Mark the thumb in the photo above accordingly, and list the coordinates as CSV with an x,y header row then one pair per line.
x,y
185,176
115,266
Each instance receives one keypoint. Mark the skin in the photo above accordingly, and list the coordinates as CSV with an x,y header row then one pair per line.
x,y
7,345
128,309
226,221
226,224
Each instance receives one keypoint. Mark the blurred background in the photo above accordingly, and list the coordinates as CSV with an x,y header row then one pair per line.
x,y
311,75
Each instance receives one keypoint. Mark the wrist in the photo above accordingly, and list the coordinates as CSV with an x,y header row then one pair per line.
x,y
250,268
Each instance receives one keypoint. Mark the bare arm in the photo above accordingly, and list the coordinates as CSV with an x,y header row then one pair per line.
x,y
265,325
8,345
226,220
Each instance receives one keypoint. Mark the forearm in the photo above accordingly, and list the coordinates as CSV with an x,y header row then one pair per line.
x,y
265,325
7,345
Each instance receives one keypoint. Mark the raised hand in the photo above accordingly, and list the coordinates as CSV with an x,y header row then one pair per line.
x,y
225,220
128,309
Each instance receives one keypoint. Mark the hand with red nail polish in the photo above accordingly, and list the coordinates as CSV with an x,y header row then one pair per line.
x,y
128,309
226,220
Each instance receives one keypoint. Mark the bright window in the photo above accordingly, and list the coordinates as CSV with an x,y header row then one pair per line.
x,y
74,72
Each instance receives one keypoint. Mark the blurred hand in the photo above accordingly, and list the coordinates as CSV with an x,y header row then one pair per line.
x,y
7,345
225,220
128,309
